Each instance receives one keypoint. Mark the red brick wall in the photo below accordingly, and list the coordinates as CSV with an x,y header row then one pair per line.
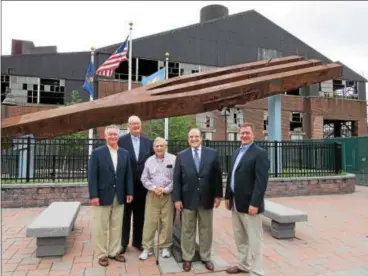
x,y
315,109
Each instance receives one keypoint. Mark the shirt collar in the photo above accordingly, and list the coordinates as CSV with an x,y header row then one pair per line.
x,y
199,148
165,155
245,147
110,148
135,137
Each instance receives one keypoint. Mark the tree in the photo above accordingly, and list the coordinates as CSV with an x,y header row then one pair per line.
x,y
178,127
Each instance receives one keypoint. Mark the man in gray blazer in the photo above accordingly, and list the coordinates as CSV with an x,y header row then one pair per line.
x,y
245,191
197,190
110,185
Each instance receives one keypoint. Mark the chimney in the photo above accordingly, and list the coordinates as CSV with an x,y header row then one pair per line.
x,y
211,12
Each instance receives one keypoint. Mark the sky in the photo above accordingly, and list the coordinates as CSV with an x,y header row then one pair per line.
x,y
338,30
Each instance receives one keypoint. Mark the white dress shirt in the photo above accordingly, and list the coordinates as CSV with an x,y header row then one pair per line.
x,y
114,156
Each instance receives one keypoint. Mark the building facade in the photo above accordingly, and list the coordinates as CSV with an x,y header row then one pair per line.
x,y
335,108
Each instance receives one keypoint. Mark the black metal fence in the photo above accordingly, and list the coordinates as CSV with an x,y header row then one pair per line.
x,y
26,160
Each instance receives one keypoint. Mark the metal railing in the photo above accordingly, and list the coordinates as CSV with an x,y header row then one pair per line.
x,y
25,160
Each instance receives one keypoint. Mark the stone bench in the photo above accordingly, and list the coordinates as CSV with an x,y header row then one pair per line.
x,y
283,219
52,227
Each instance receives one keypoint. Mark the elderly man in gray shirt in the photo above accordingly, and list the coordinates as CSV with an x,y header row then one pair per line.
x,y
157,178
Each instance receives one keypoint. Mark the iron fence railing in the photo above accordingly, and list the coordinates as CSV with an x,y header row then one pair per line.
x,y
26,160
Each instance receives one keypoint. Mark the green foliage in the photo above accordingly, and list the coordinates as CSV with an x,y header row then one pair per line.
x,y
178,127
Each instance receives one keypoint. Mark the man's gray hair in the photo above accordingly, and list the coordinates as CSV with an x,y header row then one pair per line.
x,y
159,139
112,127
134,118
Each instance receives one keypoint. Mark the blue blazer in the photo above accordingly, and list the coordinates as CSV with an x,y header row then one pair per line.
x,y
145,151
197,189
103,182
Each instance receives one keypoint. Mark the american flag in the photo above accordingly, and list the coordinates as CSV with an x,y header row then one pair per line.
x,y
121,54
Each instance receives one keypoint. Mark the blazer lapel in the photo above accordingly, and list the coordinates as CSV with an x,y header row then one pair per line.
x,y
246,155
190,159
120,160
142,146
130,148
203,155
108,159
234,158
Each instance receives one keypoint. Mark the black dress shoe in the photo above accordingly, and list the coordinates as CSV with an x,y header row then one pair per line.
x,y
123,250
187,265
209,265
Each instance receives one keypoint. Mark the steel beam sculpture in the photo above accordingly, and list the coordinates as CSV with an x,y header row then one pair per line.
x,y
183,95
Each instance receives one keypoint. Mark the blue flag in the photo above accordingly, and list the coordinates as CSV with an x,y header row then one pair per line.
x,y
158,76
88,82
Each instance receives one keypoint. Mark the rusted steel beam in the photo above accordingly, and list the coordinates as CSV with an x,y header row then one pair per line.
x,y
191,94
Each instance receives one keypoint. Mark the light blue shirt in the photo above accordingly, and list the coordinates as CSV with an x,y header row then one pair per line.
x,y
136,141
243,150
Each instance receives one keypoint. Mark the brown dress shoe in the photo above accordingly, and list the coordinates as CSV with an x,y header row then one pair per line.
x,y
234,270
119,258
187,265
209,265
103,261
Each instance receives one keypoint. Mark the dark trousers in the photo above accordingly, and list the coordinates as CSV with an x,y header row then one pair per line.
x,y
135,209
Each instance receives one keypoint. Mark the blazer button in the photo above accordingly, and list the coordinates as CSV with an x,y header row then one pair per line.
x,y
114,186
198,189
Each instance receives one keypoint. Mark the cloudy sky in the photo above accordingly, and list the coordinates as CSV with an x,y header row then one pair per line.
x,y
339,30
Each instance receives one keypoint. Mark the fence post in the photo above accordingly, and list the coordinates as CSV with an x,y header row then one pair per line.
x,y
28,164
338,157
53,167
276,158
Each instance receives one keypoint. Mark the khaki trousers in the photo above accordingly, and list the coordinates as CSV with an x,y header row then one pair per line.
x,y
108,221
189,232
158,208
248,234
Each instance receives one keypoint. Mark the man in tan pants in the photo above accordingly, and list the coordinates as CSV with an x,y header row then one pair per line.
x,y
157,178
245,191
197,190
110,186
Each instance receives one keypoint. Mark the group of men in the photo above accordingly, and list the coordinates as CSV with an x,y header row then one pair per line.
x,y
132,176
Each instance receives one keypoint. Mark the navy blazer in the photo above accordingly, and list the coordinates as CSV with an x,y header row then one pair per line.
x,y
251,179
197,189
104,182
145,151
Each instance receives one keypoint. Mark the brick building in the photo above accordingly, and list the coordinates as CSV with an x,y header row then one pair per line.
x,y
43,80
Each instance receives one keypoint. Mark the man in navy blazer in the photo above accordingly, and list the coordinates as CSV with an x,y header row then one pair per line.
x,y
110,186
197,191
140,149
245,191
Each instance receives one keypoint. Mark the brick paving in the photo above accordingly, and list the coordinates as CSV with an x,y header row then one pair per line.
x,y
334,242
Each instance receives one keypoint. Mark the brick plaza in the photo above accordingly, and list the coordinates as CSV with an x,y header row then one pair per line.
x,y
334,242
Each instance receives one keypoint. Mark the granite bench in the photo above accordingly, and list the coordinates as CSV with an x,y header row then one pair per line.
x,y
283,219
52,227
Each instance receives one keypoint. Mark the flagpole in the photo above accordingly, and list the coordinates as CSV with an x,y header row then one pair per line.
x,y
90,131
130,56
167,77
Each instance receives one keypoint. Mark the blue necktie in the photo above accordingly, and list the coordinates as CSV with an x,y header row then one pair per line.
x,y
196,159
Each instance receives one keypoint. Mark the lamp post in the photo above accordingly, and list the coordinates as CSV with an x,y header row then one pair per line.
x,y
167,55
